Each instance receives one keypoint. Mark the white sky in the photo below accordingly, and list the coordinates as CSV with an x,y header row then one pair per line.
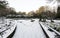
x,y
26,5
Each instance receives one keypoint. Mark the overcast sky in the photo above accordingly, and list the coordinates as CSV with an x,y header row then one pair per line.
x,y
26,5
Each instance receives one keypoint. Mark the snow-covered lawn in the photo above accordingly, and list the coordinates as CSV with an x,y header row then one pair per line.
x,y
48,32
55,25
49,26
6,27
28,29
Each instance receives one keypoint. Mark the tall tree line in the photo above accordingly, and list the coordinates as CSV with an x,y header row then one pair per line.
x,y
5,9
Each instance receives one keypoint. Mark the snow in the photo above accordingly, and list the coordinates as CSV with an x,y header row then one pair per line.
x,y
49,33
6,30
52,25
53,20
49,25
28,29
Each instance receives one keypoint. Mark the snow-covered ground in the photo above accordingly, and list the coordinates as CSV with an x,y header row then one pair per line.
x,y
7,26
28,29
49,28
55,25
48,32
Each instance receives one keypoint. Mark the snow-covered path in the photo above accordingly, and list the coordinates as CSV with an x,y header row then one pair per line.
x,y
28,29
